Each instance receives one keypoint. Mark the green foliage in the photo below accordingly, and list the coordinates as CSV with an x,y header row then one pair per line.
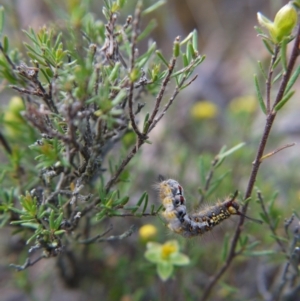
x,y
80,99
74,164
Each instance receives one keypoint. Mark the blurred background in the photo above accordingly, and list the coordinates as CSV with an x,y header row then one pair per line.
x,y
219,108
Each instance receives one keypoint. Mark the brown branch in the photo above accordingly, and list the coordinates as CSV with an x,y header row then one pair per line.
x,y
256,164
176,92
136,21
161,93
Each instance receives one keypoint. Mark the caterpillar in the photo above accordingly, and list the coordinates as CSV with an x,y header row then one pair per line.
x,y
179,221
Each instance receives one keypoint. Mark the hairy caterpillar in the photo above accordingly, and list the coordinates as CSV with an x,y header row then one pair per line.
x,y
198,223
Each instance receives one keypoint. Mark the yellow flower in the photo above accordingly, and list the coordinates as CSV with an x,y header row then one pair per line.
x,y
165,256
168,248
147,232
13,120
247,104
204,110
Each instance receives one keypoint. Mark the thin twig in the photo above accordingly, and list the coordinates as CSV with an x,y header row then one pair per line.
x,y
99,238
136,21
153,123
27,263
135,215
161,93
126,234
270,223
95,238
276,151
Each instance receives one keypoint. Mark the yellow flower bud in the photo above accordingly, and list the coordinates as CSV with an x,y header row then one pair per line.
x,y
243,104
147,232
284,22
16,105
204,110
13,120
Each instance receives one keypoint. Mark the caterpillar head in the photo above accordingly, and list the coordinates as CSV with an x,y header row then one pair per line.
x,y
233,207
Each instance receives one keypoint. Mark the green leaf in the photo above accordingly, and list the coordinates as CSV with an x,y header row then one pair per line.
x,y
2,16
276,237
145,204
195,39
185,60
259,96
58,221
5,44
153,255
225,247
146,32
51,220
30,225
215,184
164,270
201,170
37,233
159,54
264,218
122,201
292,80
140,201
268,46
277,77
262,70
284,100
253,245
260,253
146,123
153,7
179,259
230,151
243,240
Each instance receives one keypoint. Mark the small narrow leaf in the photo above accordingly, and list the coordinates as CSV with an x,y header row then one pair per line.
x,y
284,100
146,32
230,151
153,7
195,39
260,253
225,247
159,54
51,220
262,70
259,96
140,201
5,44
1,19
268,46
292,80
145,204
